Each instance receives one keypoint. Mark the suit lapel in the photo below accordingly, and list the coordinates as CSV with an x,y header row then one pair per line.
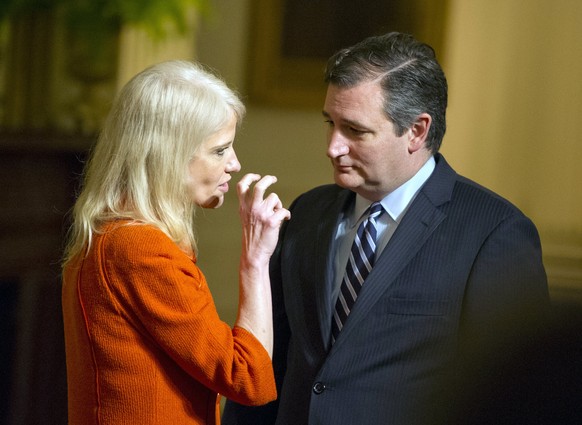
x,y
408,239
323,267
421,220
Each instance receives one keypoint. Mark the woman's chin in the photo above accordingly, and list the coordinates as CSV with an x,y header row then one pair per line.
x,y
212,203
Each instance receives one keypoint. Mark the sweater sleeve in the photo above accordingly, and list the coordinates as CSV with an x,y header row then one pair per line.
x,y
163,293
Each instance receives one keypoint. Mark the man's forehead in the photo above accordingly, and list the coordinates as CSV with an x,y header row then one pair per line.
x,y
362,98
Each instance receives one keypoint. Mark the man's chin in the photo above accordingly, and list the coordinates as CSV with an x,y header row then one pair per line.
x,y
345,181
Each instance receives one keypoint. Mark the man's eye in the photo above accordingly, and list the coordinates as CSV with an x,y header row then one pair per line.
x,y
329,122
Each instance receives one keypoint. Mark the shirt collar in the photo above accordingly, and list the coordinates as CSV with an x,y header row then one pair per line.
x,y
396,202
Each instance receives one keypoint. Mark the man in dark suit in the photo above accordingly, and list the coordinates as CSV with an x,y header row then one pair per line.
x,y
454,263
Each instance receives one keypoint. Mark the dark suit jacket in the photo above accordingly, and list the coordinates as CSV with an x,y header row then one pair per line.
x,y
461,261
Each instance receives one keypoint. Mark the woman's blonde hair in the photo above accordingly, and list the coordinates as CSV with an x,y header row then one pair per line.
x,y
137,169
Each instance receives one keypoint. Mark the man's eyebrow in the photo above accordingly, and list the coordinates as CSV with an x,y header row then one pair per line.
x,y
349,122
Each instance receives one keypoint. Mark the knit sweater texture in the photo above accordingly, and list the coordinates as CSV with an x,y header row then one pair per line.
x,y
144,343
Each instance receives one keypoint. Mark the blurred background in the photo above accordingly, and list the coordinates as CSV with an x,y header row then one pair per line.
x,y
513,68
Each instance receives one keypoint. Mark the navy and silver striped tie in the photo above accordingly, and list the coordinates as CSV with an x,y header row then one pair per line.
x,y
360,263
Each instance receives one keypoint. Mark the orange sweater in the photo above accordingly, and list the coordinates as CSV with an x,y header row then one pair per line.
x,y
144,342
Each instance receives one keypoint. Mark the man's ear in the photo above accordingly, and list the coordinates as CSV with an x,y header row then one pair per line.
x,y
419,132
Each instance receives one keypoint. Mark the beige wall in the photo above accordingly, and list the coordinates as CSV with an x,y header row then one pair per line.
x,y
514,70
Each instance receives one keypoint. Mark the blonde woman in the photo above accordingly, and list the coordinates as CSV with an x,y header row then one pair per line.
x,y
144,342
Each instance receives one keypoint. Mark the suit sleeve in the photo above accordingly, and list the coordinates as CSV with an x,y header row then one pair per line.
x,y
507,288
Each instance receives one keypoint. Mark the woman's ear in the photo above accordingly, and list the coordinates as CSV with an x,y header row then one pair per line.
x,y
419,132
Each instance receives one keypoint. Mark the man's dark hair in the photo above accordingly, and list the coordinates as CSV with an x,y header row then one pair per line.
x,y
410,76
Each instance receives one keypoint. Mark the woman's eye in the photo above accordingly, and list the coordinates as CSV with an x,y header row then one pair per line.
x,y
221,152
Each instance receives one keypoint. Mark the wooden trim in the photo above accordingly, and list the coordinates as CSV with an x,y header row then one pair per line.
x,y
279,80
44,141
563,264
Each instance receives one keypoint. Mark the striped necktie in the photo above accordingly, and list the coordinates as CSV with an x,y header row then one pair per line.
x,y
359,265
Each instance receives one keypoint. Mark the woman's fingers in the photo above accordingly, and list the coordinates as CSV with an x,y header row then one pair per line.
x,y
253,198
273,203
261,187
261,217
244,185
255,207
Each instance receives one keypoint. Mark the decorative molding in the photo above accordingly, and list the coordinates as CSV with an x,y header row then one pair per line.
x,y
55,81
290,43
564,268
137,49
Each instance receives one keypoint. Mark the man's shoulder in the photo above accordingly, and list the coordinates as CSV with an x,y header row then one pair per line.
x,y
482,196
326,190
464,192
320,201
321,194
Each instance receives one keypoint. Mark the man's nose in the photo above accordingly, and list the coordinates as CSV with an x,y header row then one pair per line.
x,y
337,145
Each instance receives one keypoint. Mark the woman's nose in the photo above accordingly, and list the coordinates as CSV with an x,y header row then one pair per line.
x,y
233,165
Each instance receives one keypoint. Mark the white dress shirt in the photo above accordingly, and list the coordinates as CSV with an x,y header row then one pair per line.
x,y
395,204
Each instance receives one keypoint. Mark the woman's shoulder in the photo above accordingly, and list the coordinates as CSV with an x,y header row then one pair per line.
x,y
124,237
122,230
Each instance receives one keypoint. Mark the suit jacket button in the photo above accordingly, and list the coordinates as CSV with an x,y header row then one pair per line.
x,y
318,387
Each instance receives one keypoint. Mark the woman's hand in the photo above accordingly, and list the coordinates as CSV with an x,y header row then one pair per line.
x,y
261,218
